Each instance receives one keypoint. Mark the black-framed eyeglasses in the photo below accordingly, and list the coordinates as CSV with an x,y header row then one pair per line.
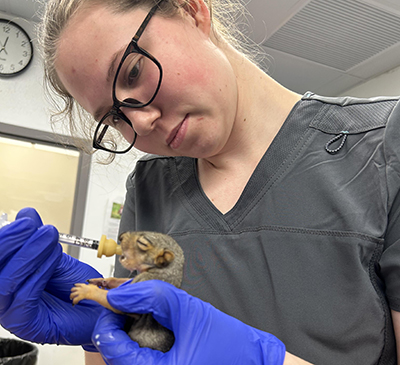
x,y
136,83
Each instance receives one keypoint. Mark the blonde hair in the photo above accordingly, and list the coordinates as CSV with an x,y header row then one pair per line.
x,y
226,15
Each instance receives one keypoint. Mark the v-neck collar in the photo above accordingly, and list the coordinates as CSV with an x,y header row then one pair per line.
x,y
272,165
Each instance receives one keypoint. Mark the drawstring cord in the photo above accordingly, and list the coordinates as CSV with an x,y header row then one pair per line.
x,y
342,135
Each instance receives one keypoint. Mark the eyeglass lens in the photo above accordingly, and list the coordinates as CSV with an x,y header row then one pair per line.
x,y
137,80
136,84
112,134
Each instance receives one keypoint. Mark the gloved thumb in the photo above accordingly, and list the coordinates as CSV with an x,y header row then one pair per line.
x,y
154,296
116,346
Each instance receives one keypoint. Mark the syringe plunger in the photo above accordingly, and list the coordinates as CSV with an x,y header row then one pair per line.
x,y
3,220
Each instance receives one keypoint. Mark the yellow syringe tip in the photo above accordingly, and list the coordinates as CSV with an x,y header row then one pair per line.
x,y
108,247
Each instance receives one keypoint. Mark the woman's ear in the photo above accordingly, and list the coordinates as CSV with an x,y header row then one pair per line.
x,y
200,13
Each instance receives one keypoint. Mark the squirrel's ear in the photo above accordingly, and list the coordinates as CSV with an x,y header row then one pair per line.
x,y
164,258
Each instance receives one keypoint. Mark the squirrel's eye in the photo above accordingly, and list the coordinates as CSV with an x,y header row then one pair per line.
x,y
143,245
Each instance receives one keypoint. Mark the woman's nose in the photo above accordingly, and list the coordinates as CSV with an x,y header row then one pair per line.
x,y
143,119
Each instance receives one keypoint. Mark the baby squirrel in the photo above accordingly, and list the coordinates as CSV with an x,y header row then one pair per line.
x,y
154,256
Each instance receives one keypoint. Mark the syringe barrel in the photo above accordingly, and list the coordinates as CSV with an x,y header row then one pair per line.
x,y
70,239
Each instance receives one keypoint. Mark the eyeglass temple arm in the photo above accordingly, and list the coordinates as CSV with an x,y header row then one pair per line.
x,y
103,132
145,21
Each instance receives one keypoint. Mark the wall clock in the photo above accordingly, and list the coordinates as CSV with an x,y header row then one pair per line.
x,y
16,50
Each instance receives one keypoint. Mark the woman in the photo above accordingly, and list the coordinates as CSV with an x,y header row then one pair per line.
x,y
285,205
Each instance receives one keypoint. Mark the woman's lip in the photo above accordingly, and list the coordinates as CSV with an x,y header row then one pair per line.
x,y
177,134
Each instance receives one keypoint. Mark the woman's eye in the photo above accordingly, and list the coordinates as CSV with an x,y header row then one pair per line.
x,y
112,121
134,73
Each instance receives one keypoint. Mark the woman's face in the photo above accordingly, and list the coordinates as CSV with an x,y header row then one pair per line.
x,y
194,111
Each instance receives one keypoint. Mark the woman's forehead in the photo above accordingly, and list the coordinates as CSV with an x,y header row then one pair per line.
x,y
95,19
94,39
93,36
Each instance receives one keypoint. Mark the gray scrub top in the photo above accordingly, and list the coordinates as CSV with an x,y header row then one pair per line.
x,y
311,251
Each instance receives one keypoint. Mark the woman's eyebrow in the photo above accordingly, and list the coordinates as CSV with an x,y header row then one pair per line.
x,y
112,69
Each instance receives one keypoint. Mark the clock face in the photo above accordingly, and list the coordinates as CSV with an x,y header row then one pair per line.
x,y
16,49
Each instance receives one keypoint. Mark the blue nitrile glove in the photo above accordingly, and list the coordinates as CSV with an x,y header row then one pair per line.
x,y
36,279
203,334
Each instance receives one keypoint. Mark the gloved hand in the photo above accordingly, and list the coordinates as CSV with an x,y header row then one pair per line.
x,y
203,334
36,279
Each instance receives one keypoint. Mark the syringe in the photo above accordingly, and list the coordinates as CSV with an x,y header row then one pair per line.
x,y
72,240
105,247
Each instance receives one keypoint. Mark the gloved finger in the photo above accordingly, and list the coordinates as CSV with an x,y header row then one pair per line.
x,y
69,272
161,299
116,346
16,233
13,236
51,320
40,252
30,213
39,316
26,314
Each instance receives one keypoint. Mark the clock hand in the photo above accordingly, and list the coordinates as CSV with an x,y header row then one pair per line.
x,y
3,46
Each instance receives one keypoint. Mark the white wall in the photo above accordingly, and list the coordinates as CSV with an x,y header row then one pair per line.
x,y
387,84
22,103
